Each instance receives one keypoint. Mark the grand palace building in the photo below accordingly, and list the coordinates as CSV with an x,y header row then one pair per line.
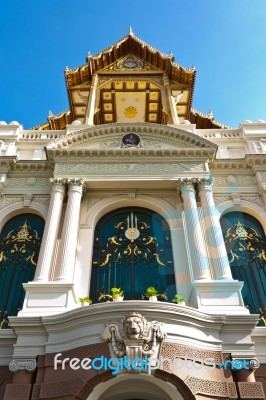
x,y
128,190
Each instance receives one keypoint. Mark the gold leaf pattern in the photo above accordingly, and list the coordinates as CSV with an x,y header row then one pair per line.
x,y
130,112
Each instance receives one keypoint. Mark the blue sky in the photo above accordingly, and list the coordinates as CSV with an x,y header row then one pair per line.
x,y
224,39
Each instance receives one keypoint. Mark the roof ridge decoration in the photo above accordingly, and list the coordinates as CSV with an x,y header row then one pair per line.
x,y
116,44
51,116
140,56
210,117
131,34
130,31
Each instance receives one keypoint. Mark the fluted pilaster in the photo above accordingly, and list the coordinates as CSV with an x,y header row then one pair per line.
x,y
263,193
67,250
214,233
50,234
194,233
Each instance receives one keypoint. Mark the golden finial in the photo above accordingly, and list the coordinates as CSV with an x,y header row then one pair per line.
x,y
130,31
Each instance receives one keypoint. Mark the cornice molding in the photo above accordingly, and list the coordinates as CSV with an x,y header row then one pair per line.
x,y
105,130
256,160
7,163
95,316
251,162
123,153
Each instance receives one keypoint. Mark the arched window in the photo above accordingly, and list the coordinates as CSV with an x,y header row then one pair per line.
x,y
245,243
20,242
132,251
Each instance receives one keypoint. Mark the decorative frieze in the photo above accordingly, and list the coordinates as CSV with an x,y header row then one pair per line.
x,y
31,181
253,199
11,200
42,200
151,144
235,181
126,169
221,199
237,198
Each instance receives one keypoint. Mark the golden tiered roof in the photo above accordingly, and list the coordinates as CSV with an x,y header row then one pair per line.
x,y
130,77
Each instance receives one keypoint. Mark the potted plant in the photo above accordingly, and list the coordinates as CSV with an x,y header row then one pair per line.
x,y
117,294
152,293
85,301
178,299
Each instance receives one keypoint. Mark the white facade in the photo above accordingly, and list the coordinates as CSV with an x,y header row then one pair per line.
x,y
73,177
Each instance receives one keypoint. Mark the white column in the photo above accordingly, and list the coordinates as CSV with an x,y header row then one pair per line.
x,y
169,96
214,234
68,245
198,255
50,233
90,111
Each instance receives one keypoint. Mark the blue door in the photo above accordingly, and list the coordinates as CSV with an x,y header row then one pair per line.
x,y
245,243
20,242
132,250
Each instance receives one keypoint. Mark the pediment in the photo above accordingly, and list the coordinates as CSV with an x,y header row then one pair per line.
x,y
130,63
108,139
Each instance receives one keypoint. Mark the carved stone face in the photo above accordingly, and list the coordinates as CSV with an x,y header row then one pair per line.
x,y
134,327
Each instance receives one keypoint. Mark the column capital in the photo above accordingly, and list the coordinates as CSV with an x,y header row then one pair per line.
x,y
262,189
187,184
205,183
58,184
76,185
